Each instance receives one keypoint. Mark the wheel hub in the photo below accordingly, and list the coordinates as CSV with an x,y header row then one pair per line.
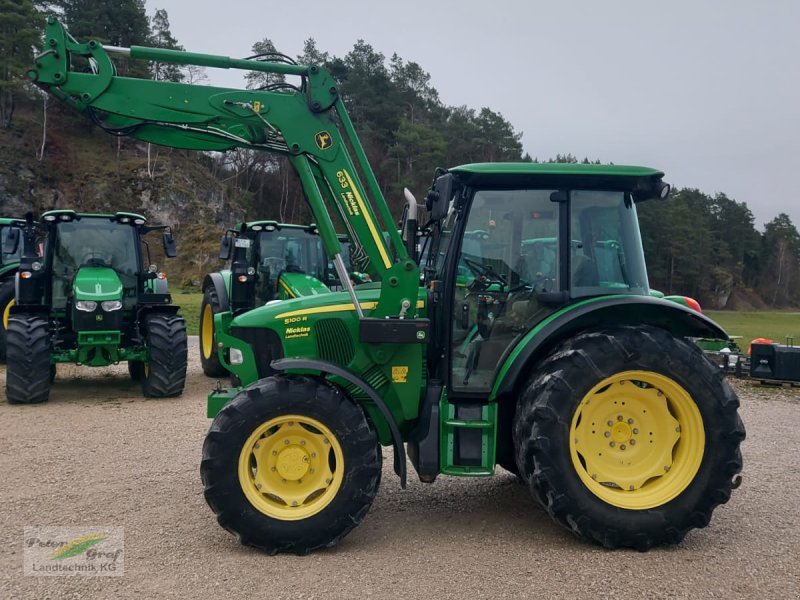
x,y
291,467
628,439
292,463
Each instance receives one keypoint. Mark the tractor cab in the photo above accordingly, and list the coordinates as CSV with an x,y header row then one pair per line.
x,y
274,261
519,242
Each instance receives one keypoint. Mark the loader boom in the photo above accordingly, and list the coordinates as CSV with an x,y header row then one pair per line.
x,y
307,123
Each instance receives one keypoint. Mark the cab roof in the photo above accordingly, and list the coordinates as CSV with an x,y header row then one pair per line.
x,y
556,175
71,214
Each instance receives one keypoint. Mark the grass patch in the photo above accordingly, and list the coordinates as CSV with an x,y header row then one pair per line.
x,y
754,324
190,309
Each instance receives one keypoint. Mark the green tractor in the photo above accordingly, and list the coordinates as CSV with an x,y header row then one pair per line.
x,y
268,261
10,248
91,300
549,358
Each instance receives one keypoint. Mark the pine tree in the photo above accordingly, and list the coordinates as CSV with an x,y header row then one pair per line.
x,y
20,30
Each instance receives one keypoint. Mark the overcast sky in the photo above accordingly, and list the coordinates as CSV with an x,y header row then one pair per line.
x,y
707,91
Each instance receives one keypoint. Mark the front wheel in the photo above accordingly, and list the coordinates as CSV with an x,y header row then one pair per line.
x,y
164,373
629,437
29,372
291,464
209,355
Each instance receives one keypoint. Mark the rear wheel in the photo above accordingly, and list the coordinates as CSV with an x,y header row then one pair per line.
x,y
164,374
28,372
291,464
6,302
629,437
209,357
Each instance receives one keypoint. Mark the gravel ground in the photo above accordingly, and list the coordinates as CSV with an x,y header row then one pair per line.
x,y
100,454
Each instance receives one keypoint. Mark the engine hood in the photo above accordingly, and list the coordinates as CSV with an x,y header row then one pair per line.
x,y
97,283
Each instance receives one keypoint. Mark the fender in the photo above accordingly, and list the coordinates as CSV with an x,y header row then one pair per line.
x,y
332,369
614,310
216,280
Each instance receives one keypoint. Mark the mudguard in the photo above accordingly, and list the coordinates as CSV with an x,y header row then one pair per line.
x,y
614,310
218,282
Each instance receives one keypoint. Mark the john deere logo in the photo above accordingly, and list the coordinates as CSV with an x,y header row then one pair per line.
x,y
99,317
323,139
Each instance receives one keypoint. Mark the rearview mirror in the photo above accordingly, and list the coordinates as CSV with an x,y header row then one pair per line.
x,y
225,247
169,245
11,243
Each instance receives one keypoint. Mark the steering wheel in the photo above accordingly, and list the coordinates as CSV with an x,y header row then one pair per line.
x,y
484,271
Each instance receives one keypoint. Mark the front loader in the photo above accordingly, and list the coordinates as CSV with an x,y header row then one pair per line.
x,y
10,248
548,357
92,298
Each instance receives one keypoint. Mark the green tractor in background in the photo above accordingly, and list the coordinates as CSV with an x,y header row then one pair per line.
x,y
90,300
9,264
268,261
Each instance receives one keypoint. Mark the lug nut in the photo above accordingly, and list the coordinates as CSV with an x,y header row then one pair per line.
x,y
258,486
325,441
632,442
274,469
630,421
619,417
630,488
612,444
286,442
302,442
607,434
622,447
635,431
610,423
274,453
257,446
294,502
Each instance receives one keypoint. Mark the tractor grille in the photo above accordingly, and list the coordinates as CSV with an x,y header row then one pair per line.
x,y
334,342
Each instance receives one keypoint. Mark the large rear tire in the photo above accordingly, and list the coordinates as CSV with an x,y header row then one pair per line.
x,y
164,373
28,372
209,356
6,302
629,437
291,464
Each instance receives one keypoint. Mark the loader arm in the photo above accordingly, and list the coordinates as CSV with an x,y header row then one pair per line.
x,y
308,124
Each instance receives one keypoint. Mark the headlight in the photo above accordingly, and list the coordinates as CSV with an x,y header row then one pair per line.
x,y
110,305
236,357
86,305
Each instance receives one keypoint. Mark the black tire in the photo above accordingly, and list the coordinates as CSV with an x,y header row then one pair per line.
x,y
136,369
6,297
28,370
165,372
210,362
542,428
256,405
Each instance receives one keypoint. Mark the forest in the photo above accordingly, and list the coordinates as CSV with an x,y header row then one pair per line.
x,y
696,244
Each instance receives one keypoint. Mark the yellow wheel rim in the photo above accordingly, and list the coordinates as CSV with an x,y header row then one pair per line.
x,y
291,467
7,312
637,440
208,331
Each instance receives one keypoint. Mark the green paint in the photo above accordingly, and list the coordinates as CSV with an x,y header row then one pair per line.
x,y
97,284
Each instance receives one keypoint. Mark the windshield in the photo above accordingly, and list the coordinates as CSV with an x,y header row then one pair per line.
x,y
93,242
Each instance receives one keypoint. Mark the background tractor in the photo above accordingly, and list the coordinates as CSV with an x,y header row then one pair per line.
x,y
267,261
91,300
549,357
10,248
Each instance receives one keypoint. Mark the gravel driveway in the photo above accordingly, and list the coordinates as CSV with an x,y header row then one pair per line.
x,y
99,454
